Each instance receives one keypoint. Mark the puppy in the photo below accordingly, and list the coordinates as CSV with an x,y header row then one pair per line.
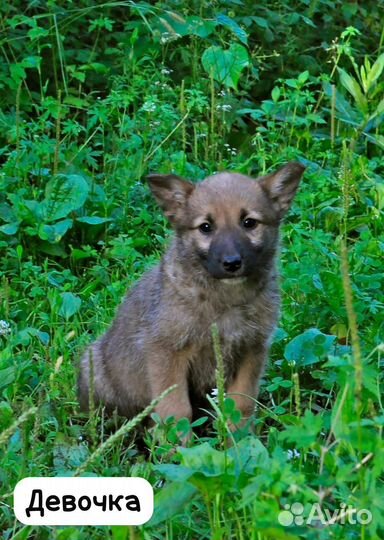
x,y
220,268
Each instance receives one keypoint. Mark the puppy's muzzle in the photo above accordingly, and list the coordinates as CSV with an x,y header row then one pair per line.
x,y
232,263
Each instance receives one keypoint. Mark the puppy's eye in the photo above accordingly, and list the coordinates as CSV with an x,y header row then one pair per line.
x,y
250,223
205,228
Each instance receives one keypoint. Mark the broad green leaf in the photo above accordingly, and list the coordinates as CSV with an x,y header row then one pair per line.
x,y
379,110
375,71
375,139
305,434
315,118
63,195
309,347
10,228
275,94
17,72
95,66
203,467
211,468
79,254
37,32
7,213
232,25
200,27
54,233
353,87
171,500
35,208
70,305
80,76
55,250
190,26
308,21
7,376
67,457
6,413
260,21
249,454
183,426
303,77
254,113
349,114
175,473
226,66
31,62
24,336
93,220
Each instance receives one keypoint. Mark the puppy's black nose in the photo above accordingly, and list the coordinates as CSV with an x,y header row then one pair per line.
x,y
232,263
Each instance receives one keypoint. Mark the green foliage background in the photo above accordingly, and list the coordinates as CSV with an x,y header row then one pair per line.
x,y
93,97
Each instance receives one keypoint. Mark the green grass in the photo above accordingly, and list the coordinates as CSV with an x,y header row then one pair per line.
x,y
93,97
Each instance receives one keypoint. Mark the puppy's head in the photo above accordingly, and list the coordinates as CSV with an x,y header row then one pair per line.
x,y
229,222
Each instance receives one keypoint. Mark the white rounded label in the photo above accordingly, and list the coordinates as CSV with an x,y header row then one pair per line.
x,y
83,501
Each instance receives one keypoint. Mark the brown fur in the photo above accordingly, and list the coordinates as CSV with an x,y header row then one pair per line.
x,y
162,333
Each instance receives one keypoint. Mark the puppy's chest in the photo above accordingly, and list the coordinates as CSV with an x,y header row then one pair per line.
x,y
240,327
235,333
235,325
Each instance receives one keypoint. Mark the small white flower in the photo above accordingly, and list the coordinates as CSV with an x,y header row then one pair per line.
x,y
166,71
232,151
166,37
149,106
5,328
293,454
226,107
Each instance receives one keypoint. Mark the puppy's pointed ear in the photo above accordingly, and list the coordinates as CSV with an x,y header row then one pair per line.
x,y
282,185
171,192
